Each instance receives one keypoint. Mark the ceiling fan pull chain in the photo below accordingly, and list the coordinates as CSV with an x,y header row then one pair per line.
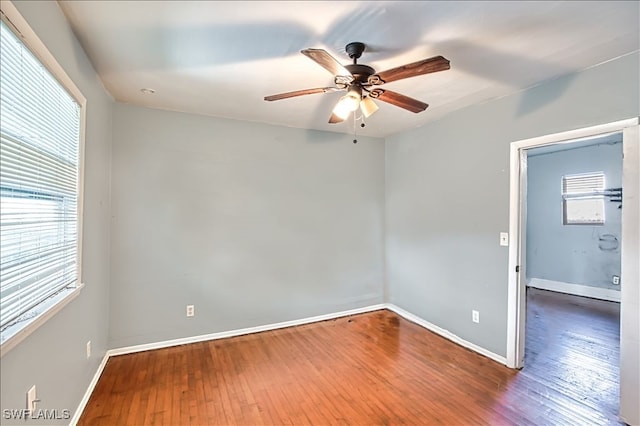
x,y
355,140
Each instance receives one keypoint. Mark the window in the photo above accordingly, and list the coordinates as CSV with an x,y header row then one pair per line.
x,y
583,199
40,152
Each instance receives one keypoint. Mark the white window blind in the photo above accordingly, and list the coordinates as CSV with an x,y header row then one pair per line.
x,y
39,175
588,184
583,199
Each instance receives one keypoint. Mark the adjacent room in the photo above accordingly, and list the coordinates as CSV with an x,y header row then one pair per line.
x,y
311,212
573,267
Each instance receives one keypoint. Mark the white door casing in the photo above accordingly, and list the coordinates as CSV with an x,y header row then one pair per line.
x,y
630,290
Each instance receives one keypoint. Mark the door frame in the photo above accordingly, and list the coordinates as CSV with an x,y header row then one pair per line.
x,y
516,295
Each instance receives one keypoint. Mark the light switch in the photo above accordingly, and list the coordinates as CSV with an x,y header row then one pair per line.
x,y
504,238
32,399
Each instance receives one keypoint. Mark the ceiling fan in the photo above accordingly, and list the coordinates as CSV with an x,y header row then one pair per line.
x,y
361,81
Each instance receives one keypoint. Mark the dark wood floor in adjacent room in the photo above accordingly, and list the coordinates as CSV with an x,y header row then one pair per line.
x,y
374,368
573,356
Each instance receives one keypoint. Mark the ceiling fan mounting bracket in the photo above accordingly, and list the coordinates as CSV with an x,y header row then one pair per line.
x,y
343,81
375,93
375,80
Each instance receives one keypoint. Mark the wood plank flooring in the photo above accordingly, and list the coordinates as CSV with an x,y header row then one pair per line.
x,y
374,368
572,355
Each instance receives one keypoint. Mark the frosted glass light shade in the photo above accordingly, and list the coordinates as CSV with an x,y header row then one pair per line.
x,y
367,106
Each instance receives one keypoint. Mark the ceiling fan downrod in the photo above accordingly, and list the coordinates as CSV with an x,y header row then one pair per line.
x,y
359,72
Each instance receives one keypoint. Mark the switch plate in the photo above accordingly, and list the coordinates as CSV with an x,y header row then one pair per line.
x,y
616,280
88,349
32,399
475,316
190,310
504,239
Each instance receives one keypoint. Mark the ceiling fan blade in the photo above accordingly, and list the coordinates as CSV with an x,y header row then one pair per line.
x,y
426,66
399,100
300,93
335,119
326,61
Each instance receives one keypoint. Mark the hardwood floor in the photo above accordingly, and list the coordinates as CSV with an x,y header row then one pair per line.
x,y
374,368
572,353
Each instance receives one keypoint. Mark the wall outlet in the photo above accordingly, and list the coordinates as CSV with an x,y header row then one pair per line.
x,y
190,310
32,399
616,280
475,316
504,239
88,349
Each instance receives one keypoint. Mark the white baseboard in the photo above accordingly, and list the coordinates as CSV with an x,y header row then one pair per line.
x,y
205,337
249,330
89,391
445,333
576,289
241,331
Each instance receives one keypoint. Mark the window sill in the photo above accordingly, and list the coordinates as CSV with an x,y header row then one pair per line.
x,y
22,330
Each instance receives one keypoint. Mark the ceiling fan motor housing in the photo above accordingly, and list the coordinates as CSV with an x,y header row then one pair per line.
x,y
360,72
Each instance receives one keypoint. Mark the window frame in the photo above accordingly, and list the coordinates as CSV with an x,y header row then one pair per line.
x,y
586,195
16,23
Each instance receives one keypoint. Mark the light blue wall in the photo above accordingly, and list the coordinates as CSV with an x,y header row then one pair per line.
x,y
572,254
447,195
53,357
253,224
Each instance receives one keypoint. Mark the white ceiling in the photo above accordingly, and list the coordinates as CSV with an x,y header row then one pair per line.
x,y
221,58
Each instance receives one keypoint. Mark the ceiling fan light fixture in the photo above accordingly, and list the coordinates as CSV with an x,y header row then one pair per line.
x,y
357,79
347,104
367,106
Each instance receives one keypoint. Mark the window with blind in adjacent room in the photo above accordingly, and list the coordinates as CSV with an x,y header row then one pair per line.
x,y
583,199
40,154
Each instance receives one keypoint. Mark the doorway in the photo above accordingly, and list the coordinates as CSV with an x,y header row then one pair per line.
x,y
630,275
573,217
